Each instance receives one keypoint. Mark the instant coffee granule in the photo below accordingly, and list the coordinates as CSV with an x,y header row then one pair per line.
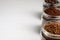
x,y
53,28
51,1
52,11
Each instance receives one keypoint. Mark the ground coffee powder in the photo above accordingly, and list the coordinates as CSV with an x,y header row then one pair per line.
x,y
52,11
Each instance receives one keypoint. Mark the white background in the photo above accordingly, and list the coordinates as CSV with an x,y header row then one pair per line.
x,y
20,19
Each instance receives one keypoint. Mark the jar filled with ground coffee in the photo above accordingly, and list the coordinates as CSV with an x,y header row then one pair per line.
x,y
50,27
52,9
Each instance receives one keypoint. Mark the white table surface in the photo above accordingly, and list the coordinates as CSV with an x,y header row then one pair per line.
x,y
19,19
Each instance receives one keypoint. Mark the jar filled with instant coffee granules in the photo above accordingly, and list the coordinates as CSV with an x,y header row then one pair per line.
x,y
50,27
51,31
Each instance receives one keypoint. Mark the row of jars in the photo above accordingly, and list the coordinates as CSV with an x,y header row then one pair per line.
x,y
50,18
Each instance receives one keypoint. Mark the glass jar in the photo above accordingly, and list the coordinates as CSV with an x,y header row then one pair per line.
x,y
46,20
52,9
